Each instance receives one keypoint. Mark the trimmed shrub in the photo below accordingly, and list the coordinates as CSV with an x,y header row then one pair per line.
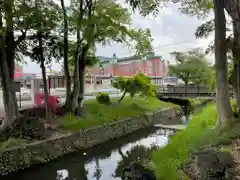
x,y
103,98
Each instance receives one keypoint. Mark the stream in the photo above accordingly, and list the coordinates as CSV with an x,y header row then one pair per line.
x,y
103,162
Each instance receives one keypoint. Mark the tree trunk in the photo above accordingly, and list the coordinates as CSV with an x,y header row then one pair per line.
x,y
222,92
76,89
10,50
233,9
6,86
7,94
45,84
76,86
186,87
65,59
236,67
125,92
81,83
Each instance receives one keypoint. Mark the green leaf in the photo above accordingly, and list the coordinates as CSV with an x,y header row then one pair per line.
x,y
191,67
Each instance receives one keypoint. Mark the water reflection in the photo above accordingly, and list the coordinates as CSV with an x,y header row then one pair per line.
x,y
62,174
104,162
98,172
137,153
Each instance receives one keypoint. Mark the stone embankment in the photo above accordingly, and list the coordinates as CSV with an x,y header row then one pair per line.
x,y
27,155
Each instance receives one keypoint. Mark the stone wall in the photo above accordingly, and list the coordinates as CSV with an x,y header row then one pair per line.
x,y
167,117
44,151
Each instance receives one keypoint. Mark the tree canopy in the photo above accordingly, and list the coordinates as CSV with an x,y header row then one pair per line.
x,y
47,30
190,66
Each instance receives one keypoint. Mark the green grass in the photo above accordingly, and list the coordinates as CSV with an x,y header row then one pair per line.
x,y
98,114
168,159
195,101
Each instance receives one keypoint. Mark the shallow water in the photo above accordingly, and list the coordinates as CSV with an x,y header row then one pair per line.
x,y
104,162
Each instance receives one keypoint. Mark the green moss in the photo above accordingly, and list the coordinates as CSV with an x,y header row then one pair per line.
x,y
97,114
195,101
169,159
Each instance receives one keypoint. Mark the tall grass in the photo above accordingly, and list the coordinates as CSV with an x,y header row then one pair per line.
x,y
168,159
97,114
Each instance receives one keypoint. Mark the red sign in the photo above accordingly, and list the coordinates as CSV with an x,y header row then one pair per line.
x,y
18,72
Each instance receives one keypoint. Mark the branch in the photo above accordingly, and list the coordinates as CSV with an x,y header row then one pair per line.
x,y
20,39
205,29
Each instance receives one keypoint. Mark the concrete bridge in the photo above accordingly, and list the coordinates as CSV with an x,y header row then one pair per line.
x,y
182,91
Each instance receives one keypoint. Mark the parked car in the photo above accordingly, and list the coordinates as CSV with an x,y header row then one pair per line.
x,y
25,94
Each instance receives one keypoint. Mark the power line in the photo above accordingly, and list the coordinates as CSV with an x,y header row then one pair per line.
x,y
177,43
163,46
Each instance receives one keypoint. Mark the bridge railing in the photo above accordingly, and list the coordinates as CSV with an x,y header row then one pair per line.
x,y
182,89
187,90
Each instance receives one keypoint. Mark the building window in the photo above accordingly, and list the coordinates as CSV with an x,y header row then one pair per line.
x,y
99,82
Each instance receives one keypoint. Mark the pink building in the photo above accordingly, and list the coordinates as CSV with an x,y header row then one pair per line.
x,y
151,66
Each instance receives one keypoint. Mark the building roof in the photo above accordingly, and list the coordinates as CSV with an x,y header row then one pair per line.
x,y
148,56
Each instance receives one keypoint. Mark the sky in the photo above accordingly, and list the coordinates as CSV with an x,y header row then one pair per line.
x,y
171,31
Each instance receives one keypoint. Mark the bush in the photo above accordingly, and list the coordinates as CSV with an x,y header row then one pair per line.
x,y
103,98
136,85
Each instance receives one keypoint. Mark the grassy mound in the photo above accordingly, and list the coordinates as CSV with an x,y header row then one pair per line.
x,y
168,160
97,114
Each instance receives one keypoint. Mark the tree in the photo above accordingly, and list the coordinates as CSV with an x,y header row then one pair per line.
x,y
5,79
16,17
232,53
201,8
191,67
220,45
139,84
223,103
42,44
90,59
65,57
20,32
142,41
100,22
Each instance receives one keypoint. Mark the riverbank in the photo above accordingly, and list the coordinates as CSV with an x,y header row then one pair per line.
x,y
201,151
168,160
98,114
99,162
99,124
94,114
